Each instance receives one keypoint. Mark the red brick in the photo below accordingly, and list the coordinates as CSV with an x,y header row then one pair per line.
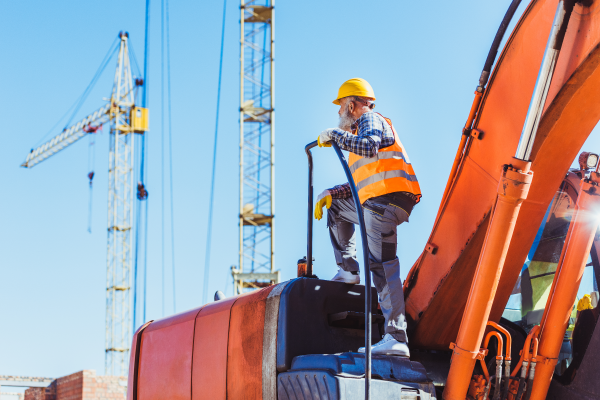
x,y
82,385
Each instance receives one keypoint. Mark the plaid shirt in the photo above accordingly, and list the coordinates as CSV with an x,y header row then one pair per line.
x,y
373,132
340,191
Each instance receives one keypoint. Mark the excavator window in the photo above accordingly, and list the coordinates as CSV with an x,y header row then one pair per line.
x,y
530,294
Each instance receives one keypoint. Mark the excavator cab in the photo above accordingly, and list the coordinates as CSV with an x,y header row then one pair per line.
x,y
529,297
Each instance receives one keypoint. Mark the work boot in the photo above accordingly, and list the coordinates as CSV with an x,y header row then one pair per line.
x,y
346,277
389,346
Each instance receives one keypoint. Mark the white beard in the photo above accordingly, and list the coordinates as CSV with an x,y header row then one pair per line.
x,y
346,121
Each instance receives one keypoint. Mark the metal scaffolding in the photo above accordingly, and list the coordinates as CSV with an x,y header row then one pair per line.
x,y
257,142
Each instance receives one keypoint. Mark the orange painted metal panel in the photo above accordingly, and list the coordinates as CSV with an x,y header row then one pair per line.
x,y
209,370
563,130
245,348
165,362
572,111
132,379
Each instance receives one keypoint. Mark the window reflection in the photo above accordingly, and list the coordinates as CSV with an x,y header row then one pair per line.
x,y
530,295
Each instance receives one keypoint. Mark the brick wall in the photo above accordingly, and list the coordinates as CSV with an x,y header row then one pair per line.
x,y
35,394
47,393
70,387
82,385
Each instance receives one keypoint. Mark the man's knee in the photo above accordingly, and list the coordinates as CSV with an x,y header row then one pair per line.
x,y
388,251
378,276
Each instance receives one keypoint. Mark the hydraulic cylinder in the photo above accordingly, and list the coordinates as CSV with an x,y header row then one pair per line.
x,y
513,187
567,278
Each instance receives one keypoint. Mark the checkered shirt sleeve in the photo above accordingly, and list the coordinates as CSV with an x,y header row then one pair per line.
x,y
373,132
340,191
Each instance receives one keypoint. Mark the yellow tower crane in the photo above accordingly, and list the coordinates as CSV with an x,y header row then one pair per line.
x,y
125,119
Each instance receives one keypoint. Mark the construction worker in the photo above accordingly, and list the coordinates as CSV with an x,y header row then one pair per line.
x,y
388,190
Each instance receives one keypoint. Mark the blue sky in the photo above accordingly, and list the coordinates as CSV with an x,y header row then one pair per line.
x,y
422,59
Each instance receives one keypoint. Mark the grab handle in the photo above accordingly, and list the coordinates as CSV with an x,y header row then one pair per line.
x,y
365,244
309,257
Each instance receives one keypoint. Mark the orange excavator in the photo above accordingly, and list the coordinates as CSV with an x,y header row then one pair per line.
x,y
493,301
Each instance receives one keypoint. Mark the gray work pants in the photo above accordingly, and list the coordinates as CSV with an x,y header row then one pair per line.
x,y
381,220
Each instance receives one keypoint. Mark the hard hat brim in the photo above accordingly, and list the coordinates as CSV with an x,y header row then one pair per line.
x,y
337,101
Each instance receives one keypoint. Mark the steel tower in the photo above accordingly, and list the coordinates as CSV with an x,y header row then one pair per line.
x,y
120,217
125,120
257,143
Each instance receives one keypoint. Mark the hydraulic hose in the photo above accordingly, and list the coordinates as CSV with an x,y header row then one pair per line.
x,y
489,61
522,380
487,387
532,369
507,358
530,380
498,380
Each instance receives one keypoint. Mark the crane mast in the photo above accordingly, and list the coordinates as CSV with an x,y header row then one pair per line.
x,y
125,120
257,148
120,217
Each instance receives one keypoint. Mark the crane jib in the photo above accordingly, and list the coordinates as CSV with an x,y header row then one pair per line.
x,y
66,137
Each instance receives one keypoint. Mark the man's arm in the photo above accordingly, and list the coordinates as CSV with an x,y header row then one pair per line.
x,y
369,139
340,191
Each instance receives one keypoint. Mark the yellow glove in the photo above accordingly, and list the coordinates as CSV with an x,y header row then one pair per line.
x,y
324,199
326,144
325,137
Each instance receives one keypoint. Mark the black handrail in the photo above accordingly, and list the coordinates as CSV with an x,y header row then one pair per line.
x,y
363,234
309,257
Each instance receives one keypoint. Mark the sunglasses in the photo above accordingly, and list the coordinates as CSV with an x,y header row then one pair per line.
x,y
371,106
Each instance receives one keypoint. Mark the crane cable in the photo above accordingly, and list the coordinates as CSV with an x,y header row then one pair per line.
x,y
86,93
165,48
162,150
143,150
212,182
171,158
91,169
81,99
92,130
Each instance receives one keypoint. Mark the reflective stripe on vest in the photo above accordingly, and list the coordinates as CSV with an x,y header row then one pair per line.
x,y
380,156
387,172
385,175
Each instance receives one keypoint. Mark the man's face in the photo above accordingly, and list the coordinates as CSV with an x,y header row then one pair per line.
x,y
346,117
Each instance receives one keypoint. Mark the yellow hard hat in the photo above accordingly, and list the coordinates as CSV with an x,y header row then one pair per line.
x,y
354,87
585,303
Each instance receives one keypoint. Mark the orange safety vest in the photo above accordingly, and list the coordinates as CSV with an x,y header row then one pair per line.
x,y
388,172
